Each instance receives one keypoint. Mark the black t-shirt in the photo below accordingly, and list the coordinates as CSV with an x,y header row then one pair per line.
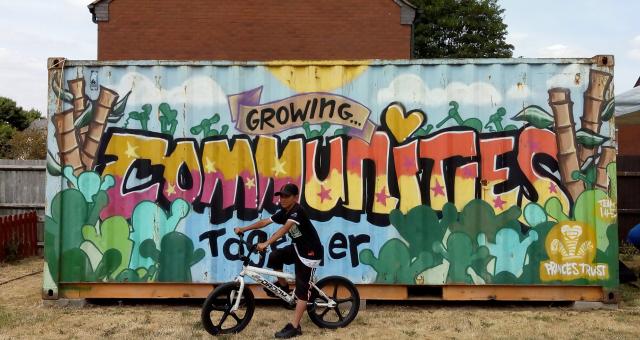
x,y
302,232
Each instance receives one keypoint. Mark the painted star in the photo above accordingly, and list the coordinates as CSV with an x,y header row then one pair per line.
x,y
324,194
171,189
278,168
438,189
209,166
498,203
534,145
553,188
382,196
467,172
131,151
408,163
251,183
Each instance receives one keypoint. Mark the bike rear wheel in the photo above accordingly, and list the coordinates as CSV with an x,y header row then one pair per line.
x,y
217,317
347,299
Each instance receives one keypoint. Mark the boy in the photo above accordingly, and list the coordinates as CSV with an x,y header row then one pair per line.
x,y
305,251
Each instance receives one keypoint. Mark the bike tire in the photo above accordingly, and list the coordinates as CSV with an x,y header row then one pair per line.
x,y
340,290
220,302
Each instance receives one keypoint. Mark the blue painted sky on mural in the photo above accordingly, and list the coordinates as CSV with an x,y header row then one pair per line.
x,y
32,30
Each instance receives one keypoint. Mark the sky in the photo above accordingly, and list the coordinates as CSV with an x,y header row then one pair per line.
x,y
33,30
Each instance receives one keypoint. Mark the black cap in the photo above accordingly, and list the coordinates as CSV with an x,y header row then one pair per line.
x,y
288,189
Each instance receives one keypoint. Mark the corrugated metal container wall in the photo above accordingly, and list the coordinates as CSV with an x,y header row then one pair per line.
x,y
427,172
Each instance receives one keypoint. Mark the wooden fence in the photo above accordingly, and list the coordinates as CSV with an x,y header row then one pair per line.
x,y
18,236
22,190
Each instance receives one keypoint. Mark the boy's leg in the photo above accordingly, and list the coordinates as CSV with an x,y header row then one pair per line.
x,y
278,258
303,284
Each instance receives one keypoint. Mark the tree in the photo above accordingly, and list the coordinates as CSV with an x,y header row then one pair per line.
x,y
28,144
12,119
460,29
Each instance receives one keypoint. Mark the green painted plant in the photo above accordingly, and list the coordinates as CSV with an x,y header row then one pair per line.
x,y
395,264
112,233
77,266
315,133
453,113
421,227
461,253
479,217
72,209
205,127
496,120
168,121
175,257
140,116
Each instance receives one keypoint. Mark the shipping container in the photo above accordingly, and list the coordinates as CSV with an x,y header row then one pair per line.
x,y
464,179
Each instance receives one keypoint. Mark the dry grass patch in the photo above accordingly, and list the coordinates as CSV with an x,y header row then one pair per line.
x,y
22,316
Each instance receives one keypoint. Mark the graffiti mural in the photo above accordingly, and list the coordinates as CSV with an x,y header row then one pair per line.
x,y
412,174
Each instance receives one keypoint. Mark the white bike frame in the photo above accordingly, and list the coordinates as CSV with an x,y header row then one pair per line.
x,y
254,273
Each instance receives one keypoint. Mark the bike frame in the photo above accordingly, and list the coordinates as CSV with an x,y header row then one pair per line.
x,y
254,273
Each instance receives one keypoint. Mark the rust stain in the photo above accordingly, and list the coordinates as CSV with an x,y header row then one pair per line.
x,y
577,79
520,86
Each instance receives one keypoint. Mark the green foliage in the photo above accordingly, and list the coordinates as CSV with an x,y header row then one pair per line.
x,y
16,116
460,29
28,144
113,233
479,217
13,118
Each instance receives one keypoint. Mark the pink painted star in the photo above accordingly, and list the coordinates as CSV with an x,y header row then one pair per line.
x,y
467,172
324,194
354,162
382,196
498,203
534,145
408,163
438,189
553,188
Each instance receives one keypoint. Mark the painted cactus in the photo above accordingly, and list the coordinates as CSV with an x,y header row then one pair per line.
x,y
175,257
395,264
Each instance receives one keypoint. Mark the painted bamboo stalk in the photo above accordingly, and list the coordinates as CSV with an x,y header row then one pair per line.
x,y
106,99
593,102
76,87
68,146
607,156
562,106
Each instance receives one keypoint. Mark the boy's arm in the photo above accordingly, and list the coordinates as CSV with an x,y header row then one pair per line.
x,y
278,234
260,224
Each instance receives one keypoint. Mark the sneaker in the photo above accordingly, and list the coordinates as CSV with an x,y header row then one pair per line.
x,y
289,332
271,294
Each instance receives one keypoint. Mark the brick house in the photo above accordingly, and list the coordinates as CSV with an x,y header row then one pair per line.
x,y
253,30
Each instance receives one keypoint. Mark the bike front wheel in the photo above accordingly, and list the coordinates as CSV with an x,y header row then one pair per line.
x,y
217,317
347,303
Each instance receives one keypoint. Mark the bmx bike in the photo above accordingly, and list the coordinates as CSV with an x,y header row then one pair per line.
x,y
334,301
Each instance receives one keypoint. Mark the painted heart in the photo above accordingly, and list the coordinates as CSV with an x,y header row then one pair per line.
x,y
402,126
571,232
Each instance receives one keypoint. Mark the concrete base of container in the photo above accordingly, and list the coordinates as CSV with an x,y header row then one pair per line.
x,y
367,292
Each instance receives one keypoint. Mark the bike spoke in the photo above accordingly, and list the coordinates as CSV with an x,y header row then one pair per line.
x,y
238,320
324,313
338,312
222,320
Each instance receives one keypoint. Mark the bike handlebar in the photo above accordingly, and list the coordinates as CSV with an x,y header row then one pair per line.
x,y
252,248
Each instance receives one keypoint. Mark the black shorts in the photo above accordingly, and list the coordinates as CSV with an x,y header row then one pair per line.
x,y
287,255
